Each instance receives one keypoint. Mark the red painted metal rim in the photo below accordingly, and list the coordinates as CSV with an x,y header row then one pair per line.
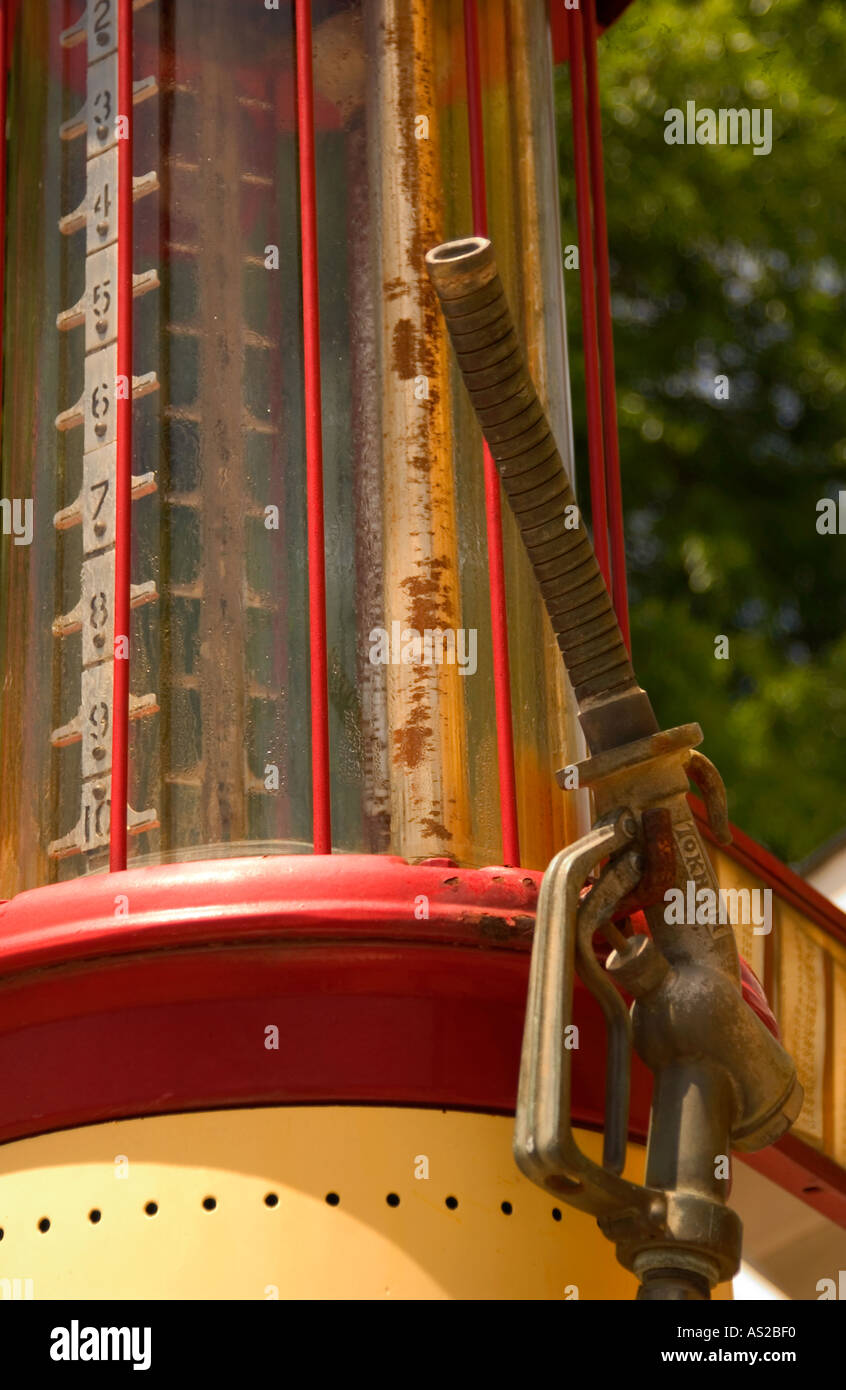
x,y
349,897
175,1031
165,1007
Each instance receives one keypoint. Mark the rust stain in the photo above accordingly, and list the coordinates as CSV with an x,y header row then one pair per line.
x,y
430,605
405,356
511,928
412,741
493,928
395,288
434,830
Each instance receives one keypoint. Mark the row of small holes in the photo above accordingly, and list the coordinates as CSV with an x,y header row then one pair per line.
x,y
332,1198
272,1200
451,1202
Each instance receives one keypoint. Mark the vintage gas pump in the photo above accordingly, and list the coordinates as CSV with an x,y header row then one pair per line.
x,y
281,703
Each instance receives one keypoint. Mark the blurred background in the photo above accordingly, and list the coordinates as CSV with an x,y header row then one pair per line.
x,y
724,262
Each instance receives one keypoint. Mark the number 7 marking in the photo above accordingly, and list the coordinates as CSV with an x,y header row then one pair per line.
x,y
105,487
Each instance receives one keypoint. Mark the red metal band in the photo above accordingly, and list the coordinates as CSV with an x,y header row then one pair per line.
x,y
816,1180
123,452
493,496
599,511
606,331
183,967
321,805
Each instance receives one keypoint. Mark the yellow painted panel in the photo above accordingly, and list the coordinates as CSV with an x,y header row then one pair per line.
x,y
839,1098
802,1017
750,943
301,1247
808,997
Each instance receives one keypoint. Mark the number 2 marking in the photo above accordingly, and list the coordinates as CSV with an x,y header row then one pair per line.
x,y
101,21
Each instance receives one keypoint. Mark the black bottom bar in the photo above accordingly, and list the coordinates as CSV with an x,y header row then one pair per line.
x,y
241,1343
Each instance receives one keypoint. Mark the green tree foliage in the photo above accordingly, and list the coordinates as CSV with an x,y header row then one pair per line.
x,y
729,263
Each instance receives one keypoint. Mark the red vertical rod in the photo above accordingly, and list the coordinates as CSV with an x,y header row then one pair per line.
x,y
493,501
3,63
321,806
123,450
598,503
606,330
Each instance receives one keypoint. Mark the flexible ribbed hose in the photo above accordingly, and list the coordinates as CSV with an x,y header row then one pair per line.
x,y
513,422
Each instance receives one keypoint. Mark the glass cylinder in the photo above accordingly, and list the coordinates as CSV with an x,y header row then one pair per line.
x,y
220,713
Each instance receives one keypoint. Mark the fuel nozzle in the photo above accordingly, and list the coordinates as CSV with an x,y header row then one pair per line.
x,y
722,1080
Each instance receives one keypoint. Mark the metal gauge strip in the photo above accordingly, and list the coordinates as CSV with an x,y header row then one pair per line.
x,y
96,414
